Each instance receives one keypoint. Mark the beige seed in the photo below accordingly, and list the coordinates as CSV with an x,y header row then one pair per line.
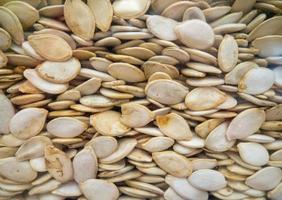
x,y
173,163
58,164
66,127
85,165
28,122
189,33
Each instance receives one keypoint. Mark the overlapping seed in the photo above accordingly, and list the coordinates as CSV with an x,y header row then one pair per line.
x,y
143,99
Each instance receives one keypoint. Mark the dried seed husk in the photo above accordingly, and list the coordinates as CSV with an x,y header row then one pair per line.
x,y
217,141
184,189
157,24
52,23
68,189
52,11
135,115
137,52
270,26
100,64
235,75
85,165
207,180
126,72
216,12
58,164
156,144
243,6
26,14
6,113
176,9
125,146
108,123
5,41
248,122
79,18
228,53
137,192
201,67
53,88
32,148
10,22
269,46
127,9
19,171
230,18
159,90
204,98
59,33
256,81
59,72
60,51
173,163
103,13
159,5
174,126
103,145
265,179
193,13
28,122
66,127
253,153
188,33
96,189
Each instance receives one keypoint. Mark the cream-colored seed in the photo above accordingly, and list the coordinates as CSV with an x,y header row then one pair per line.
x,y
140,99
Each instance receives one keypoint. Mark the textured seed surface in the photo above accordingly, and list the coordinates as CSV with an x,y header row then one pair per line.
x,y
140,99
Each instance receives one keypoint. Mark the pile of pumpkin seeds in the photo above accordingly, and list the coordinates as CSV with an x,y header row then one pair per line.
x,y
140,99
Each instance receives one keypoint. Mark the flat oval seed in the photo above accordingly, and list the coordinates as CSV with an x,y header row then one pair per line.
x,y
204,98
58,164
126,72
207,180
68,189
103,146
217,140
253,153
228,53
53,88
60,51
174,126
59,72
27,14
7,18
162,27
173,163
184,189
256,81
195,33
79,19
265,179
7,111
135,115
245,123
28,122
108,123
128,9
97,189
125,146
161,91
156,144
32,148
19,171
66,127
85,165
103,13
